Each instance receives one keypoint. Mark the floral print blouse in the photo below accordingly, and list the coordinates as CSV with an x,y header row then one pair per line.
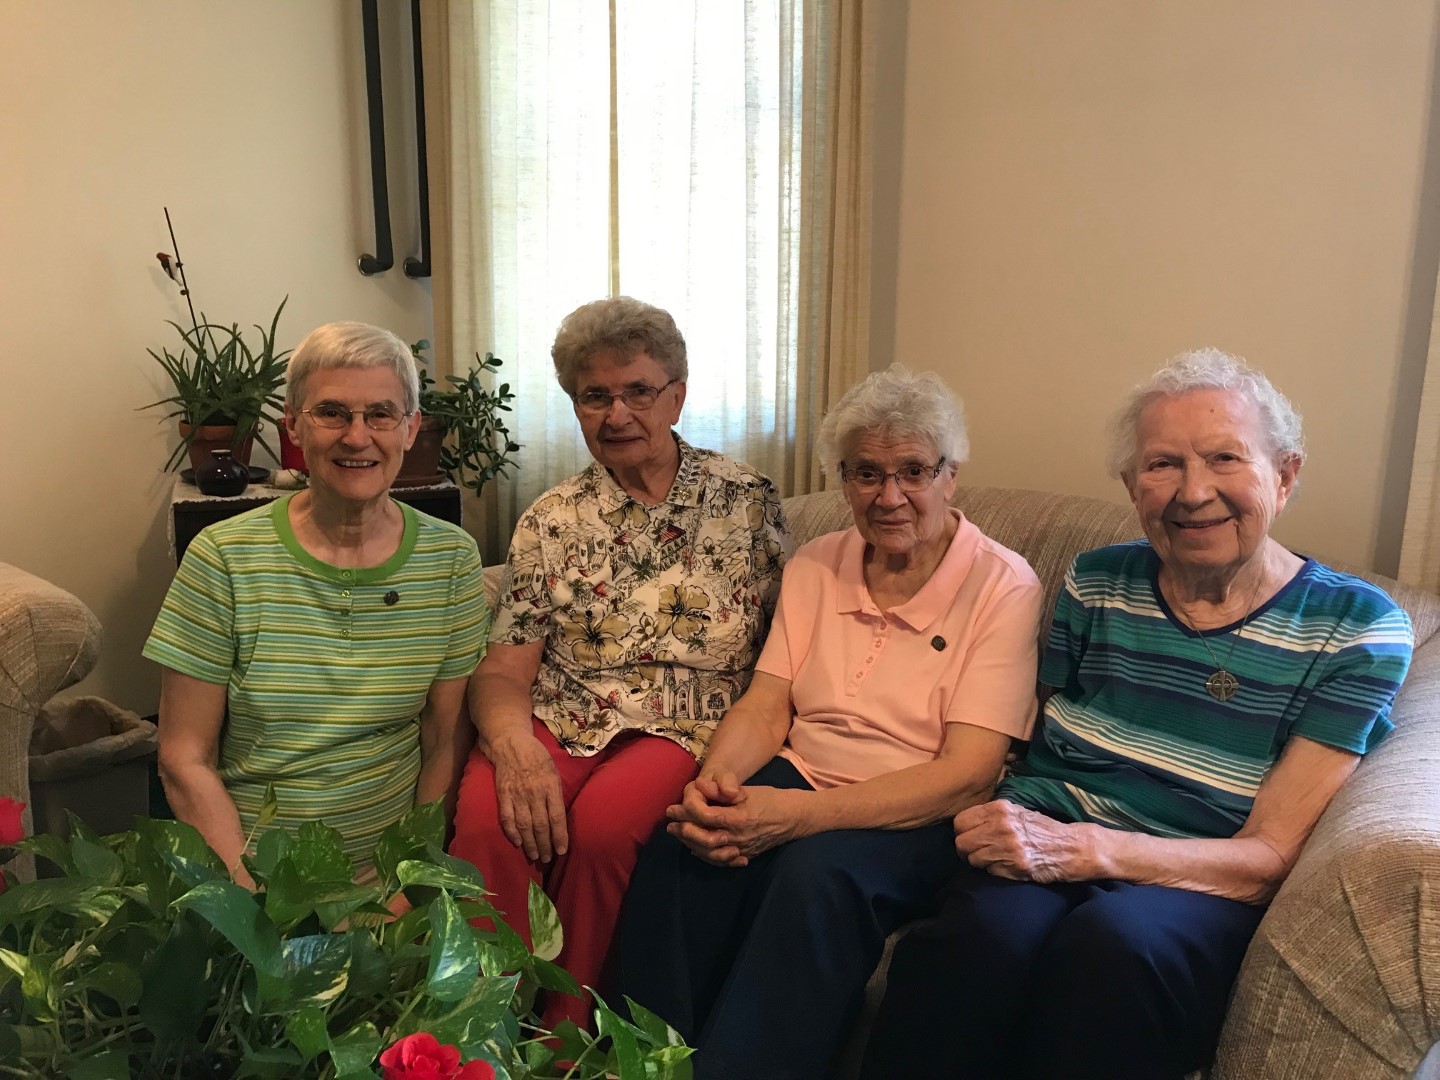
x,y
652,616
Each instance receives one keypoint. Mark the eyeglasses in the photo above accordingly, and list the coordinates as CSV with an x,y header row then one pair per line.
x,y
638,398
909,478
335,416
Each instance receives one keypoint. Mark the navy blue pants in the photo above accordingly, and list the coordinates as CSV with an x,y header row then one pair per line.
x,y
764,967
1017,981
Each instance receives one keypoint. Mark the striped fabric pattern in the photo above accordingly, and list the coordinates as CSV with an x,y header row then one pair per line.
x,y
326,669
1132,739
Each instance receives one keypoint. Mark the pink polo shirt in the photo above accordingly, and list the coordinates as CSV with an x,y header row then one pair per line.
x,y
872,691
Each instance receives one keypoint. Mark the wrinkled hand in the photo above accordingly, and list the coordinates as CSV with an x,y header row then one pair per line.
x,y
1010,841
727,824
531,803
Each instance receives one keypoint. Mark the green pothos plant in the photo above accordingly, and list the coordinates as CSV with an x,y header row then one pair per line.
x,y
145,960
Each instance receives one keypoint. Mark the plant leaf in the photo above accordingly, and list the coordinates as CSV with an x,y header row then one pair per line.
x,y
546,937
288,898
96,862
306,1029
183,850
416,872
473,1019
454,952
315,971
173,996
119,982
624,1045
552,976
318,852
237,914
356,1050
269,806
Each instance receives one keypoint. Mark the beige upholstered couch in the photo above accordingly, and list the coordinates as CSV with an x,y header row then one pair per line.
x,y
1342,980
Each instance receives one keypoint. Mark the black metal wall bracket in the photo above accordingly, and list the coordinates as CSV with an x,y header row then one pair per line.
x,y
418,268
384,257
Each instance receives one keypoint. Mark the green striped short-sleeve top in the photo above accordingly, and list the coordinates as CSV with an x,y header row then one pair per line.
x,y
1132,740
326,669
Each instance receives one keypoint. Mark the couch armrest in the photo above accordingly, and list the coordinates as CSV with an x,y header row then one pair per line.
x,y
1343,977
48,640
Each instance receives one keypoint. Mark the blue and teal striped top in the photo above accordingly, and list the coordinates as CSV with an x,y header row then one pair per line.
x,y
1132,740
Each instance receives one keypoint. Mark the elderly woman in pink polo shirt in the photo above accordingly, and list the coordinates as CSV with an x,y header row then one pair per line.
x,y
900,664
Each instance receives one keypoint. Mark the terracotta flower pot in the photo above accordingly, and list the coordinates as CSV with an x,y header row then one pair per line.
x,y
422,461
214,437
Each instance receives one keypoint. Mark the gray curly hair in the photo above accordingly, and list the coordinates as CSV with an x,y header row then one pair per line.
x,y
900,404
1207,369
617,322
351,345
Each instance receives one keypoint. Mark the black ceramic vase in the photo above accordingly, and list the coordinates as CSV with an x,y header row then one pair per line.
x,y
222,475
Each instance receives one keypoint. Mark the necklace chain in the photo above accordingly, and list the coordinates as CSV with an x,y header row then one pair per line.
x,y
1222,684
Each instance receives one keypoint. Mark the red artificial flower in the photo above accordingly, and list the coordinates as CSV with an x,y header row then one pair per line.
x,y
11,831
422,1057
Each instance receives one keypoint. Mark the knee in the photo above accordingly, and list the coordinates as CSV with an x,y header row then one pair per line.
x,y
1100,938
602,838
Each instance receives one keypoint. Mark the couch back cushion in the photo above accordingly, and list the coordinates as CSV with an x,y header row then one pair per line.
x,y
1049,530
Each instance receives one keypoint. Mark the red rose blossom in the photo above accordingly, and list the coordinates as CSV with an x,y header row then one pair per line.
x,y
422,1057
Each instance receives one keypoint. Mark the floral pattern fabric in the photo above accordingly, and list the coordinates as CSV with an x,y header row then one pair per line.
x,y
652,617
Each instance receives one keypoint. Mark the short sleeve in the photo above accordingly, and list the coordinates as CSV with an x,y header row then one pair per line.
x,y
524,606
471,627
1069,631
1350,706
194,633
996,687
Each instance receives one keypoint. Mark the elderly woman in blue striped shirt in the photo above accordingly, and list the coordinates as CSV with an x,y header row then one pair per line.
x,y
1209,691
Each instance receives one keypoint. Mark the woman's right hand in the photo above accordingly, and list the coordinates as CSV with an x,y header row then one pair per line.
x,y
532,806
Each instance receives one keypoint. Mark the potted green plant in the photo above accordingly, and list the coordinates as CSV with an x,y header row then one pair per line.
x,y
223,387
144,959
462,434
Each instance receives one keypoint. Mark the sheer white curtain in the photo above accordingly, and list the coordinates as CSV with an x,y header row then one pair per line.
x,y
707,156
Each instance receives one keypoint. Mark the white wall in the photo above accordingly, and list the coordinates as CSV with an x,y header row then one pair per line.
x,y
248,121
1087,189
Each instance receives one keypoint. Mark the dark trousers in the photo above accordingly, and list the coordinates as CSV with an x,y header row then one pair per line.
x,y
1017,981
763,967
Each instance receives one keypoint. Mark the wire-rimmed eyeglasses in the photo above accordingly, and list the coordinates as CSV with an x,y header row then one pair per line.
x,y
909,478
639,398
333,415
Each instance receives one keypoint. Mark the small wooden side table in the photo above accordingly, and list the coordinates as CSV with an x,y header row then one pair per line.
x,y
191,511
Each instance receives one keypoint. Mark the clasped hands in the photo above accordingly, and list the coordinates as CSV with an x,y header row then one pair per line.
x,y
1010,841
727,823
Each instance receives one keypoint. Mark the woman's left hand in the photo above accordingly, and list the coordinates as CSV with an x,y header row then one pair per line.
x,y
1012,842
759,819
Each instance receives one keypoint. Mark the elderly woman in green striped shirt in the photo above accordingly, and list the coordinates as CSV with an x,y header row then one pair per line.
x,y
322,643
1209,691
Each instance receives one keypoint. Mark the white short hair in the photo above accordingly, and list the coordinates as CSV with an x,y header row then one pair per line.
x,y
1208,369
898,403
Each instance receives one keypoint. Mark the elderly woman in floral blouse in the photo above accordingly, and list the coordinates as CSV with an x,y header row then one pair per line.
x,y
635,600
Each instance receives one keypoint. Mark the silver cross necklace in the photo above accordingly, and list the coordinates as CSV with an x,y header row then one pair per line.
x,y
1222,684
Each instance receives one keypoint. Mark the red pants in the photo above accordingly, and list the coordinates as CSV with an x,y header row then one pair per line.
x,y
614,801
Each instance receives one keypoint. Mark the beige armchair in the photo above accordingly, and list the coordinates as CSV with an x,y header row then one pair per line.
x,y
49,640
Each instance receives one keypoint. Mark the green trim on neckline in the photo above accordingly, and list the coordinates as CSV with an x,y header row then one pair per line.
x,y
280,518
